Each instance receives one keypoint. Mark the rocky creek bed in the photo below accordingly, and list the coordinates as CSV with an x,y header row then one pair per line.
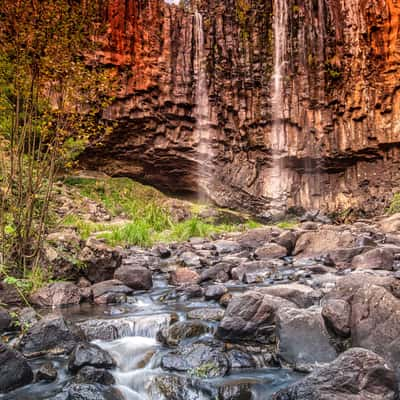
x,y
301,314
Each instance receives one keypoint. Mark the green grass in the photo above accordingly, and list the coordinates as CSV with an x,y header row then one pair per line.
x,y
287,224
394,206
148,221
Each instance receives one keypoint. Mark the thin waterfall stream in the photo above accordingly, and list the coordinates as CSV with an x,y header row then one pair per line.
x,y
276,184
202,109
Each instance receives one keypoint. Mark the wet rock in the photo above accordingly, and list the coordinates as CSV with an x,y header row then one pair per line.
x,y
288,240
301,295
218,273
173,387
5,320
225,299
254,238
47,372
227,246
207,314
100,259
56,295
303,340
253,271
356,374
137,278
240,360
191,290
27,317
94,375
271,250
179,331
190,259
86,354
251,316
374,259
336,314
199,359
183,276
235,391
161,251
215,292
110,292
82,391
14,369
51,335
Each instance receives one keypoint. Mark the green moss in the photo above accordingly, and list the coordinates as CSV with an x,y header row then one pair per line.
x,y
205,370
291,224
394,206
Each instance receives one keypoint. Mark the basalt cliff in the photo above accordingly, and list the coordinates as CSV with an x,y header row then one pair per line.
x,y
339,118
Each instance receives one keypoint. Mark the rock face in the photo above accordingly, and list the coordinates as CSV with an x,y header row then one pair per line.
x,y
357,374
340,136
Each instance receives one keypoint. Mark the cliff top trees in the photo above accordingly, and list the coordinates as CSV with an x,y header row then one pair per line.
x,y
50,103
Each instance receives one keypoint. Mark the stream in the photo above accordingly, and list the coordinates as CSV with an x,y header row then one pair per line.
x,y
129,333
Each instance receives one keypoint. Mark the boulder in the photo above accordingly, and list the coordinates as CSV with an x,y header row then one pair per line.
x,y
100,259
253,271
191,291
87,354
86,391
9,295
179,331
137,278
357,374
51,335
199,359
108,292
271,250
217,273
390,224
47,372
288,240
336,313
183,276
56,295
227,246
301,295
255,238
303,340
5,320
215,292
251,316
94,375
207,314
377,258
14,369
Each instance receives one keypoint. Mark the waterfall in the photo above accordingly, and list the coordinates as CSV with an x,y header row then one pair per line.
x,y
277,180
202,108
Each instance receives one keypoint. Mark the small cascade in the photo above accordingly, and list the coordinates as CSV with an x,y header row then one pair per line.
x,y
111,329
202,109
277,180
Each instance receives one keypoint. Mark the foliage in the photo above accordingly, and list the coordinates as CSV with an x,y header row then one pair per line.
x,y
394,206
290,224
50,103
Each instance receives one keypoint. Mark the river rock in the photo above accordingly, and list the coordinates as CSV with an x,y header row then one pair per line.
x,y
9,295
101,260
251,316
390,224
218,273
90,374
215,292
301,295
227,246
270,250
288,240
181,330
336,313
253,271
84,391
51,335
374,259
5,320
206,314
238,359
182,276
303,340
108,292
255,238
86,354
199,359
56,295
137,278
14,369
47,372
357,374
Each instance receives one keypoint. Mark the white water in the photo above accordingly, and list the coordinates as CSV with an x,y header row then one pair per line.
x,y
277,183
202,109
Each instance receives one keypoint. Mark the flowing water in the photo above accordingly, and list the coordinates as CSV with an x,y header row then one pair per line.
x,y
202,109
128,333
276,182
